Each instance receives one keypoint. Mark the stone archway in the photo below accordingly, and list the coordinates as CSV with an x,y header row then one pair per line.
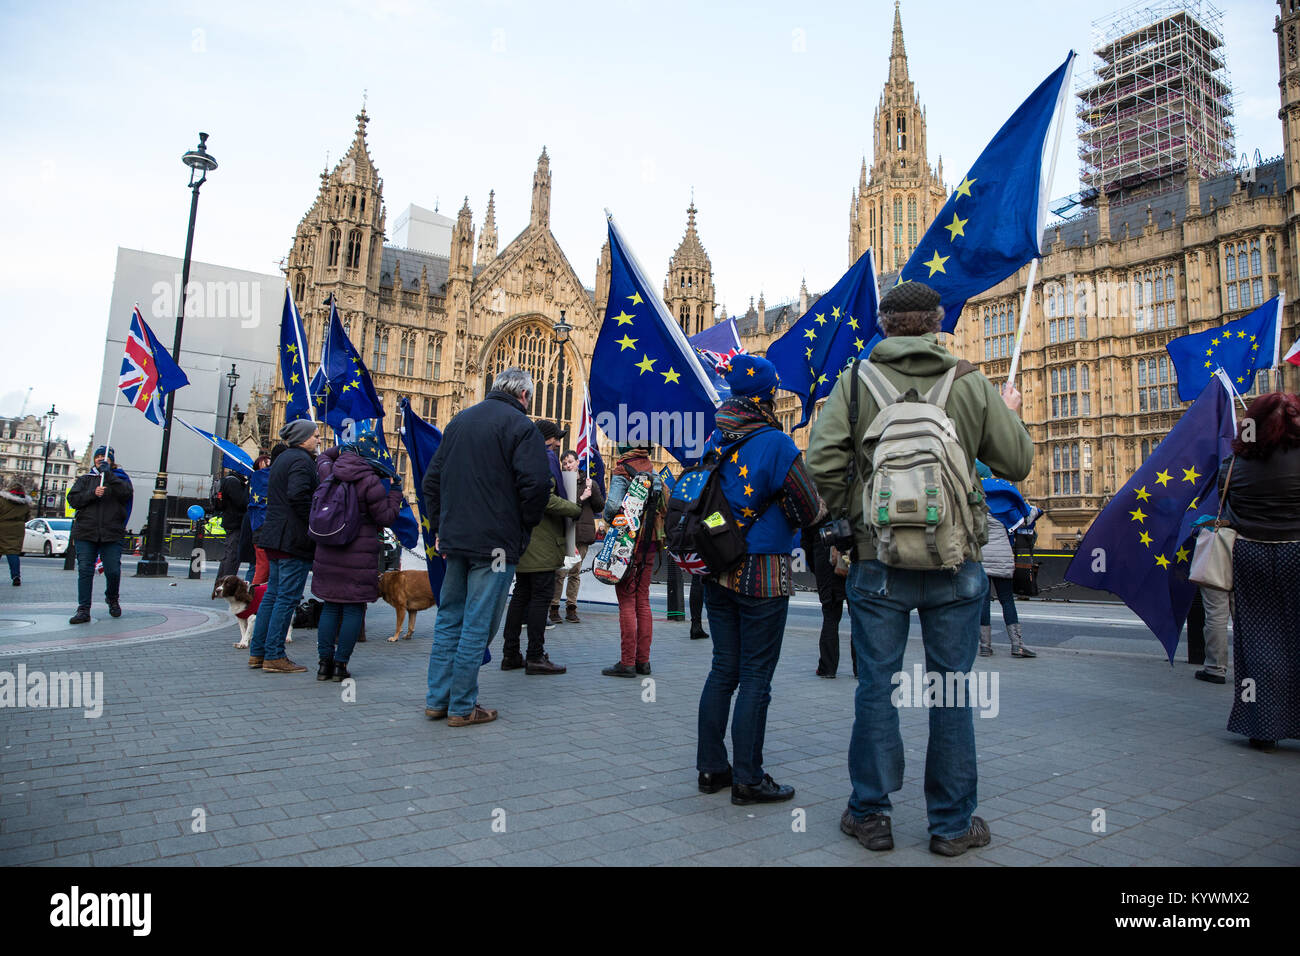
x,y
530,344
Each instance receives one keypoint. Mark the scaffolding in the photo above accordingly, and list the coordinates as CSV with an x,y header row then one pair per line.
x,y
1159,99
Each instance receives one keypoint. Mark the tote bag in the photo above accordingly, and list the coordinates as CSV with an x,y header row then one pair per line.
x,y
1212,559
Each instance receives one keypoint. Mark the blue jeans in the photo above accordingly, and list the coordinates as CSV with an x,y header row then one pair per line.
x,y
284,587
747,635
110,552
341,623
15,565
470,606
881,600
1006,597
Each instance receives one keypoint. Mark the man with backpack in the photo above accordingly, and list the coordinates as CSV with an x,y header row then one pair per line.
x,y
289,548
893,454
635,622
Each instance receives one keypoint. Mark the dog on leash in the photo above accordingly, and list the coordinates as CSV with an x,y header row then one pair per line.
x,y
406,591
244,603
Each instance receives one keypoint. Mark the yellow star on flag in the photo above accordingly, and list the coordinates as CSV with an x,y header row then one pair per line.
x,y
424,523
1181,555
1240,379
1162,561
956,227
1208,364
636,299
293,379
1215,341
936,264
1145,539
964,188
1196,503
1242,335
1255,347
1209,351
626,342
859,344
293,349
747,512
820,318
623,318
1139,515
835,312
647,364
1189,474
749,490
821,380
1252,338
750,371
808,353
670,375
853,323
1143,494
1163,478
735,456
810,334
744,471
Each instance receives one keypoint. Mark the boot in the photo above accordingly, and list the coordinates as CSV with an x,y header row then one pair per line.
x,y
1018,648
986,640
571,614
340,672
326,669
555,615
697,632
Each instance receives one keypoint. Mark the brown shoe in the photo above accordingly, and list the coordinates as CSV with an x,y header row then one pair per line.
x,y
282,665
544,666
978,835
479,715
555,615
571,614
435,713
255,662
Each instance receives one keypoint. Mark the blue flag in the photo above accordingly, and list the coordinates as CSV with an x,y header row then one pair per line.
x,y
405,526
1008,505
148,371
841,326
341,388
646,383
293,362
716,346
1241,348
993,222
1136,548
232,456
421,441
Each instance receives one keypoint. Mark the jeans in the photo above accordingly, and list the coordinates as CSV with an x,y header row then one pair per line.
x,y
230,555
1006,597
341,623
275,616
747,633
15,565
528,605
880,603
635,622
1219,606
110,552
469,610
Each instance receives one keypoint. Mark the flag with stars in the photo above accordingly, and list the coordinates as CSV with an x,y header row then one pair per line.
x,y
1241,348
293,362
837,329
341,388
1136,547
717,346
421,441
993,222
646,383
232,456
405,527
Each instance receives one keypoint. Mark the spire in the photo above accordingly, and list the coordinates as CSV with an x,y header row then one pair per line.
x,y
862,176
897,53
487,239
690,251
541,210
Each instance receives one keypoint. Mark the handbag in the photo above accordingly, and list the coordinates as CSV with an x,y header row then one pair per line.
x,y
1212,559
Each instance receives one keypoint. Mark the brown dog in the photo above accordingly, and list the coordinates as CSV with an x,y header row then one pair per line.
x,y
406,591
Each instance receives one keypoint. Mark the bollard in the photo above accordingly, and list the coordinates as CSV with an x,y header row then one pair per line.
x,y
675,592
198,557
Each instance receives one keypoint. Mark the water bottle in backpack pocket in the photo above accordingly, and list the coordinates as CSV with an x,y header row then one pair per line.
x,y
335,517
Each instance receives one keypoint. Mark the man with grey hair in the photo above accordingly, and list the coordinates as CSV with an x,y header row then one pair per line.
x,y
485,490
893,569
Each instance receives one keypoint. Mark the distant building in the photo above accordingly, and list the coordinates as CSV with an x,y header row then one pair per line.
x,y
23,459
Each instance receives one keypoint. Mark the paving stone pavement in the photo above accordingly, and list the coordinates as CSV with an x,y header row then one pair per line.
x,y
586,770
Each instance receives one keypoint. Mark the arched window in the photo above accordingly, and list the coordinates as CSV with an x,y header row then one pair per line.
x,y
1272,258
363,205
532,347
353,260
898,229
406,355
336,238
379,356
911,222
354,202
437,360
428,359
299,287
900,122
684,317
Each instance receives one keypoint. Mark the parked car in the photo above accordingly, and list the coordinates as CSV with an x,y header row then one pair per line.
x,y
47,536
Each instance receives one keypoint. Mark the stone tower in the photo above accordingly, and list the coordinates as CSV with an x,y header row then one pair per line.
x,y
487,239
1287,28
688,290
898,196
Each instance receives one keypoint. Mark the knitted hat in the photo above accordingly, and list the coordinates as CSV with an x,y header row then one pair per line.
x,y
549,429
298,431
106,451
753,377
372,453
910,297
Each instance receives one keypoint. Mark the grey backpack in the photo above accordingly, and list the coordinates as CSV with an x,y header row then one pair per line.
x,y
923,502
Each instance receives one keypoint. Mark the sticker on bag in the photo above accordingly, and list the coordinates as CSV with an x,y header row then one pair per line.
x,y
714,520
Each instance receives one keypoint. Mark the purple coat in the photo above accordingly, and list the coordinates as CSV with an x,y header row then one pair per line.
x,y
350,574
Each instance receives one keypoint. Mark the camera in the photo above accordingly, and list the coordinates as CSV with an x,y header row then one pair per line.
x,y
838,533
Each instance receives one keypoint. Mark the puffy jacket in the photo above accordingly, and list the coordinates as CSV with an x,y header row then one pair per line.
x,y
14,510
545,551
289,489
101,518
998,559
986,428
349,574
489,482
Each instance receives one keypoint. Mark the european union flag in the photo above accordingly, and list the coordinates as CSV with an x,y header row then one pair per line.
x,y
715,347
1241,348
1008,505
646,383
841,326
405,526
421,441
341,388
992,223
293,362
232,456
1134,548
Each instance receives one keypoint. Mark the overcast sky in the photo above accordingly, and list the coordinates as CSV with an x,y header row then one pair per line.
x,y
765,109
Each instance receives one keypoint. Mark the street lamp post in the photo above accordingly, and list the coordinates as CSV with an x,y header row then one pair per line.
x,y
45,462
231,378
154,562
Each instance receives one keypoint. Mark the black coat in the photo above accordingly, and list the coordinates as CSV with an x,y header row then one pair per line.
x,y
234,503
292,482
489,482
100,518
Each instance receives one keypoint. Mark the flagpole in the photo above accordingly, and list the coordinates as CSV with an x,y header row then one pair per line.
x,y
1277,335
117,392
1024,318
298,333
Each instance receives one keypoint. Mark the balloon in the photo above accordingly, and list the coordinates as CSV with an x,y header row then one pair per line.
x,y
196,513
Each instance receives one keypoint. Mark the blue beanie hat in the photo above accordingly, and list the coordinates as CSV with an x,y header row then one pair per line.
x,y
753,377
106,451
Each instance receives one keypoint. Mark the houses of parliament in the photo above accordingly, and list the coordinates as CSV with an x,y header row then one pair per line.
x,y
1133,269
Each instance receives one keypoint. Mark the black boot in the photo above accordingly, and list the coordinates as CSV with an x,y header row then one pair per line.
x,y
326,669
340,672
697,631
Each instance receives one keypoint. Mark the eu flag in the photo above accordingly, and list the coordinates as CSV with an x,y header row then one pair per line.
x,y
1008,505
421,441
232,456
1241,348
1134,548
405,527
341,388
992,223
293,362
716,346
646,383
841,326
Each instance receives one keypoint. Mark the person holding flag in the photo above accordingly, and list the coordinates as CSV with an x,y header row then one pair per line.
x,y
584,537
102,498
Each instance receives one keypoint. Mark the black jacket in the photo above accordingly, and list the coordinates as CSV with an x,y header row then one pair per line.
x,y
489,482
99,518
234,502
292,482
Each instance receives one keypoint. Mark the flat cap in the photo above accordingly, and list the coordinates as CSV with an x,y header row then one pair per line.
x,y
910,297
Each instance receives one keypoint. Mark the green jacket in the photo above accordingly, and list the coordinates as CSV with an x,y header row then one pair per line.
x,y
986,428
545,551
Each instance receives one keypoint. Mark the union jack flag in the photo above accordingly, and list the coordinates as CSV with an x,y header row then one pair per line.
x,y
721,361
690,563
586,448
148,372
